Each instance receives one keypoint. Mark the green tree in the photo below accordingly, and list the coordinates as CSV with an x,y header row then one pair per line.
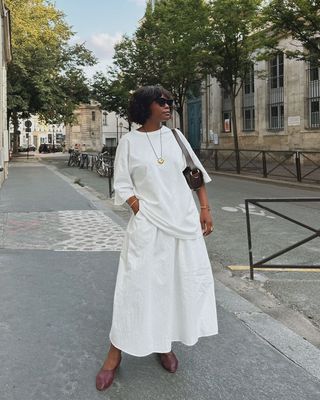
x,y
299,19
46,75
233,38
165,49
111,91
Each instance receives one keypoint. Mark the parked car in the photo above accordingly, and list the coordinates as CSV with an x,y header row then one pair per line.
x,y
49,148
43,148
26,148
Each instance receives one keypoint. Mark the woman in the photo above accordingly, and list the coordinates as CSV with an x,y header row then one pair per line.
x,y
164,289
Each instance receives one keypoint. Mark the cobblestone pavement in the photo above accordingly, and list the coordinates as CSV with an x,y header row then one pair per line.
x,y
73,230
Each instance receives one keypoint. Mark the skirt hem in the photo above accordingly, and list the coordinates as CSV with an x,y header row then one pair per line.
x,y
192,343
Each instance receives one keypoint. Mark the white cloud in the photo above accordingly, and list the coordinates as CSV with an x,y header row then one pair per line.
x,y
102,44
101,66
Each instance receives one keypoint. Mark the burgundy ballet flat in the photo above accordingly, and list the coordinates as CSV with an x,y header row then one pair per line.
x,y
169,361
105,377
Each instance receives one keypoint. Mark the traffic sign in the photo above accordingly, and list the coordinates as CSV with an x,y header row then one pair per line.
x,y
28,123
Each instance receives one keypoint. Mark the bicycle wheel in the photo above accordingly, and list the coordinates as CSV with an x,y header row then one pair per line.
x,y
99,167
77,160
70,160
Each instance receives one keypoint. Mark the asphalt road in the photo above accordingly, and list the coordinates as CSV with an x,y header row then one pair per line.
x,y
270,233
228,245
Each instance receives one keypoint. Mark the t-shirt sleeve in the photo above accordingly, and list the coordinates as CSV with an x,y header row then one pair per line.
x,y
194,157
123,186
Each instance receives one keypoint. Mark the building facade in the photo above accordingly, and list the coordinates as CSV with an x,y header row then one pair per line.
x,y
86,132
277,109
93,128
40,133
5,58
113,127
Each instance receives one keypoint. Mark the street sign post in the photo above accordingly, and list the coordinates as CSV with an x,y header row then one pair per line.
x,y
28,125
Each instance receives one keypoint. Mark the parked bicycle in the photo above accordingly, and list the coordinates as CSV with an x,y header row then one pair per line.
x,y
104,164
74,158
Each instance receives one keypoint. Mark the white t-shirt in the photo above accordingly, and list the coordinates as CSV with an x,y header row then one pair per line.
x,y
165,198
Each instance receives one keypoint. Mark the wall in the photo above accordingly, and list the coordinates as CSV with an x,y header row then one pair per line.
x,y
5,58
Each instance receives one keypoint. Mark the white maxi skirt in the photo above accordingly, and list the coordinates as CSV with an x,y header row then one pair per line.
x,y
164,291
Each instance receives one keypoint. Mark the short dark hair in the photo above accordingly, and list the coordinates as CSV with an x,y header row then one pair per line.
x,y
140,101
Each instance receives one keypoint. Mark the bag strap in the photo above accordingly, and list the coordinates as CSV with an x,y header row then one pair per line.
x,y
185,151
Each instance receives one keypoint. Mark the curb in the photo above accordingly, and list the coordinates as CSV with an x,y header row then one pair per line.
x,y
267,180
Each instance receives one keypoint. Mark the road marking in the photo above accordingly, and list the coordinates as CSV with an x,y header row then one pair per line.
x,y
252,210
247,268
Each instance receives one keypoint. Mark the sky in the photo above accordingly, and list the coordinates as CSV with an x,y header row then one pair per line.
x,y
101,24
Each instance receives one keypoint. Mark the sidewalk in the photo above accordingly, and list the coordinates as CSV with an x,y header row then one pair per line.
x,y
292,298
59,249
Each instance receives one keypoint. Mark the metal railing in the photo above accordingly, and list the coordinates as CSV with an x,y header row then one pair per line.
x,y
264,263
301,166
101,162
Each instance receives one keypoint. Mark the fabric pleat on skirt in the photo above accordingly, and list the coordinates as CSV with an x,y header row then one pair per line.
x,y
164,291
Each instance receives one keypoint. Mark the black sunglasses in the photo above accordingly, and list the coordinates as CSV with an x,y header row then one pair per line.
x,y
162,101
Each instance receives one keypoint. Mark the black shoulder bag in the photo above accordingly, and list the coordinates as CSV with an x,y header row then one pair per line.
x,y
193,174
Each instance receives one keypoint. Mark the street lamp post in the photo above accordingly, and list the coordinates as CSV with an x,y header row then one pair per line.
x,y
53,132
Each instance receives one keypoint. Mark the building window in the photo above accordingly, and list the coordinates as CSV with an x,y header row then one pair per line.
x,y
226,121
313,96
248,112
110,142
314,114
104,118
226,111
248,119
249,81
276,71
276,116
93,115
275,93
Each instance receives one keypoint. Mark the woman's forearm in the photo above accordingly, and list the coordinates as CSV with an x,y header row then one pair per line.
x,y
202,196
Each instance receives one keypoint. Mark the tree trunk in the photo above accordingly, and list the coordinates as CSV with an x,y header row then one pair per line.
x,y
16,133
180,113
235,131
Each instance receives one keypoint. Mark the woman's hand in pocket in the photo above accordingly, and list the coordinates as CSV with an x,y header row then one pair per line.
x,y
134,204
135,207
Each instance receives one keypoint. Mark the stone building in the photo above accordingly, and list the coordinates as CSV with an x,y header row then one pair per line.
x,y
86,131
279,111
5,58
94,128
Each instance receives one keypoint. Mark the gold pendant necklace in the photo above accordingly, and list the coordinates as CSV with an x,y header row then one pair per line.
x,y
160,160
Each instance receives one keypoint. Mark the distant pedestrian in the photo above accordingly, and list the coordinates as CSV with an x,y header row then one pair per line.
x,y
164,289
